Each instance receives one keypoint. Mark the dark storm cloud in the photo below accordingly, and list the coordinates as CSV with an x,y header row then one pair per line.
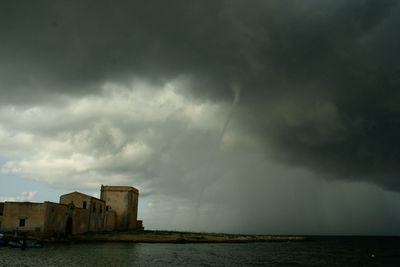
x,y
318,79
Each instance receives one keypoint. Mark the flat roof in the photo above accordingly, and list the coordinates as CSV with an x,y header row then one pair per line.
x,y
23,202
118,188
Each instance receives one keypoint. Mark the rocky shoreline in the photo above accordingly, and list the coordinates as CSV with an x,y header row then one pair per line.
x,y
156,236
150,236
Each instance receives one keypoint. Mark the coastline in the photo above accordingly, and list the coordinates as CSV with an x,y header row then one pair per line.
x,y
158,236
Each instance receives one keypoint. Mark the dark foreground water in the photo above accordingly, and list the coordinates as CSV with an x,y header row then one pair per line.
x,y
332,251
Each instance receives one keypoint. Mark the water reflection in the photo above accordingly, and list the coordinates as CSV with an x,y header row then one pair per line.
x,y
332,251
99,254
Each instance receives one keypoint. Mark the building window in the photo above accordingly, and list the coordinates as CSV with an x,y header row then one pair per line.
x,y
84,205
21,222
100,209
94,207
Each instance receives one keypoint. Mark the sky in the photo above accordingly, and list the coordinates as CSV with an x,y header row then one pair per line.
x,y
268,117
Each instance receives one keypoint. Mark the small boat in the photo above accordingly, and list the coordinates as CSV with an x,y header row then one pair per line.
x,y
2,242
20,244
15,244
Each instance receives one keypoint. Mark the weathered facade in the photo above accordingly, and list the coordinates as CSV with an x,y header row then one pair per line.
x,y
91,217
123,200
110,219
37,217
1,212
76,213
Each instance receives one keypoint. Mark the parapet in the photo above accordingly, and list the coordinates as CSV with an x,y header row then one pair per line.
x,y
118,188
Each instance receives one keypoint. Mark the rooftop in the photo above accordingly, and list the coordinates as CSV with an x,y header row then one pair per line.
x,y
76,192
118,188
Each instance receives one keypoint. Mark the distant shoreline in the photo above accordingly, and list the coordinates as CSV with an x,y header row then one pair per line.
x,y
156,236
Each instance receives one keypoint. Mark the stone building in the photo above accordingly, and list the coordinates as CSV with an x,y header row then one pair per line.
x,y
36,217
88,214
122,203
1,212
76,213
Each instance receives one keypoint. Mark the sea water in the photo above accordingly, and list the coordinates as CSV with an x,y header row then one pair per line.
x,y
321,251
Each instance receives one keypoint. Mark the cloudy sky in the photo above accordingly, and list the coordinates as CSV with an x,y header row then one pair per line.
x,y
272,117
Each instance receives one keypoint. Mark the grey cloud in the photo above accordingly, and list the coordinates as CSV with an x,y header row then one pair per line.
x,y
319,79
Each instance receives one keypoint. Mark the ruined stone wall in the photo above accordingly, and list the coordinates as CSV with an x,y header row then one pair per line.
x,y
80,220
31,215
56,216
139,225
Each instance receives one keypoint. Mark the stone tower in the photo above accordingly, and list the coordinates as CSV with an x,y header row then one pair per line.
x,y
123,201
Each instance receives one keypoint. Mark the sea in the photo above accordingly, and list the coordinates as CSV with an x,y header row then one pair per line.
x,y
319,251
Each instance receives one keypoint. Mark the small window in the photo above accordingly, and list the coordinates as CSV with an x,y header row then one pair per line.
x,y
84,205
100,209
94,207
21,222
